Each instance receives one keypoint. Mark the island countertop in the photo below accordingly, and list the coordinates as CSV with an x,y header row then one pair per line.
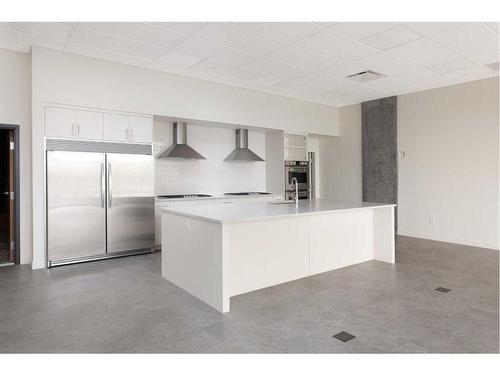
x,y
251,211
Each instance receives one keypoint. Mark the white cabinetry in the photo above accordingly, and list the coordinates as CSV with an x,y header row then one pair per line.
x,y
140,129
115,127
70,123
295,147
64,122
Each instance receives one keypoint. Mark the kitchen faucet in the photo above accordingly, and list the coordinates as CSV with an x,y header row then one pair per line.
x,y
296,184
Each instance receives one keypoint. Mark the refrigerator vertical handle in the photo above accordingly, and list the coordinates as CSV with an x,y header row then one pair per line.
x,y
110,186
103,184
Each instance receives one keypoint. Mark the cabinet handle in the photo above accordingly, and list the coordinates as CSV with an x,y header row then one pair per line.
x,y
126,134
72,130
78,128
131,134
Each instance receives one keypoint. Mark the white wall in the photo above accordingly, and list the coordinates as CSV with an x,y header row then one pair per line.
x,y
214,175
15,109
59,77
340,163
451,170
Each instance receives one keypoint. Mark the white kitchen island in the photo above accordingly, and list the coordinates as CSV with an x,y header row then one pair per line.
x,y
215,252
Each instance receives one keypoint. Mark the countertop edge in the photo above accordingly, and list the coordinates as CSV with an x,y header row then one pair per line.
x,y
261,218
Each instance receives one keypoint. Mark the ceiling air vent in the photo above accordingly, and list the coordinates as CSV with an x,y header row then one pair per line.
x,y
493,66
365,76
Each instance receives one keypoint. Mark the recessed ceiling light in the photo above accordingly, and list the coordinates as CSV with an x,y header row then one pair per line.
x,y
494,66
365,76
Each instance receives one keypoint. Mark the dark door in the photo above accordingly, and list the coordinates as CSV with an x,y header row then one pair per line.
x,y
7,218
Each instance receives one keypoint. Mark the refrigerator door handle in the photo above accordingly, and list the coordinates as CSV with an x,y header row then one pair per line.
x,y
110,186
103,184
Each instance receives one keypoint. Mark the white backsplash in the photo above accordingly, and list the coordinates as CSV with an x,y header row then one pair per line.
x,y
211,176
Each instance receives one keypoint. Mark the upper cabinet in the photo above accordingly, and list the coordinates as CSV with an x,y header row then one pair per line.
x,y
71,123
116,127
295,147
140,129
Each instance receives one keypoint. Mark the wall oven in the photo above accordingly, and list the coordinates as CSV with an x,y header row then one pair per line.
x,y
299,170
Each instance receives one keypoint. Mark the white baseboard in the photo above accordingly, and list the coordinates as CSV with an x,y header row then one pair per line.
x,y
487,245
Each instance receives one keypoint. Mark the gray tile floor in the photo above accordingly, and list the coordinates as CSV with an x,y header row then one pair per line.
x,y
124,305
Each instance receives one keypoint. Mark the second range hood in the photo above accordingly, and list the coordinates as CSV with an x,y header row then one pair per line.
x,y
242,152
180,148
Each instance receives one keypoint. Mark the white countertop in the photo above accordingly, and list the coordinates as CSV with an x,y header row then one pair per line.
x,y
250,211
219,196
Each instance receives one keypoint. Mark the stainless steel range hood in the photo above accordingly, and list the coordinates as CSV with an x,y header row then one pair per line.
x,y
242,152
180,148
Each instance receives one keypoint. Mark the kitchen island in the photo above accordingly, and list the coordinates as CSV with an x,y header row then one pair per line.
x,y
215,252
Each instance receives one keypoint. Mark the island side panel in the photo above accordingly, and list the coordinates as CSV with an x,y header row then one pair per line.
x,y
384,245
340,239
192,258
266,252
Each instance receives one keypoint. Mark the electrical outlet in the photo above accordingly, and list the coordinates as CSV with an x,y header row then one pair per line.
x,y
402,154
432,220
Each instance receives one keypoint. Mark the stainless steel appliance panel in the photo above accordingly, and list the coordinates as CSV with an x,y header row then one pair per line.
x,y
299,170
130,202
75,205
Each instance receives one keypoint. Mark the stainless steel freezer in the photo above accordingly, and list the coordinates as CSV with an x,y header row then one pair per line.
x,y
76,214
99,205
130,217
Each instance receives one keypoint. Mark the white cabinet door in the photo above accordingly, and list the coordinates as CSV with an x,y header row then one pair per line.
x,y
141,129
60,122
116,127
89,125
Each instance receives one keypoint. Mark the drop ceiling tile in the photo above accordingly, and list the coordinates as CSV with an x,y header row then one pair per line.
x,y
244,74
470,74
106,42
387,84
201,48
383,63
336,46
223,33
51,30
5,25
181,27
7,42
258,45
301,57
343,70
423,52
286,31
121,29
30,39
156,36
276,68
269,80
391,37
494,26
452,66
475,41
104,55
176,60
212,67
360,30
420,77
333,94
432,28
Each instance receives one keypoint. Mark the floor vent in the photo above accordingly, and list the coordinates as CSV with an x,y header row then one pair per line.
x,y
365,76
344,336
442,290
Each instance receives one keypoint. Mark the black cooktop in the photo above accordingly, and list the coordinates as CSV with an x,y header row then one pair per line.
x,y
248,193
173,196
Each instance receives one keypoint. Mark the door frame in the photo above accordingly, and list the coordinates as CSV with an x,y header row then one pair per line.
x,y
17,197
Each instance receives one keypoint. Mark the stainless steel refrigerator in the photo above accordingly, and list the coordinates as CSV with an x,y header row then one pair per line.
x,y
99,205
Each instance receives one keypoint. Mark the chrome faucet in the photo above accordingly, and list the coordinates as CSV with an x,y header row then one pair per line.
x,y
296,184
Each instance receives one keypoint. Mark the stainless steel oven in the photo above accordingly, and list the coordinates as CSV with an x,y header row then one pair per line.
x,y
299,170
